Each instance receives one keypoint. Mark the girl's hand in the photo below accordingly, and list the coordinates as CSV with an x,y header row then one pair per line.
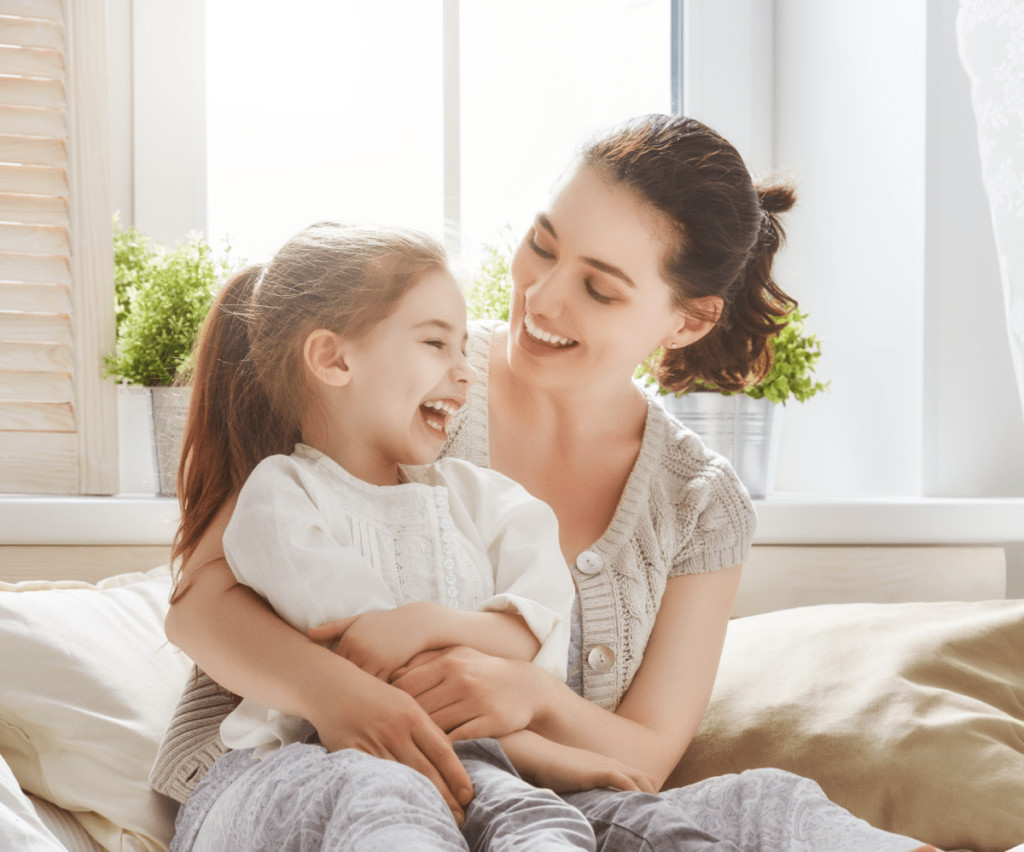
x,y
379,642
470,694
570,770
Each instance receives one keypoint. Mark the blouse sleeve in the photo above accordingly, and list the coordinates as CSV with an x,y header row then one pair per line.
x,y
280,543
519,533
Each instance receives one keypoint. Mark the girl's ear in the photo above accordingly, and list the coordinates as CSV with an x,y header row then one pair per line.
x,y
696,321
324,354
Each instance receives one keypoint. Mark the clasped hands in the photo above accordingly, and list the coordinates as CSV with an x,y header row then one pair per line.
x,y
464,692
469,694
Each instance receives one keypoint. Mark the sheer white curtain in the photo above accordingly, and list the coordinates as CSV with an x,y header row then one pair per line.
x,y
991,40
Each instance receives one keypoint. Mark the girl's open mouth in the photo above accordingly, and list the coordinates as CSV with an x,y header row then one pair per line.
x,y
437,413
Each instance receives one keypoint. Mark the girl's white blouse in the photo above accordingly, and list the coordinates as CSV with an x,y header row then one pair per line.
x,y
320,544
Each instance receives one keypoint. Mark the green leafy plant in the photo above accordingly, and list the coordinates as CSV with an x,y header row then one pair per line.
x,y
489,293
163,296
795,355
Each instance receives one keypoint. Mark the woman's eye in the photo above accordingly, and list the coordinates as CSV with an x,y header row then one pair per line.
x,y
604,300
532,243
439,344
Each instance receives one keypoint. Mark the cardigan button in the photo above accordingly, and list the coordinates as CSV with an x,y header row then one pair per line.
x,y
601,658
589,562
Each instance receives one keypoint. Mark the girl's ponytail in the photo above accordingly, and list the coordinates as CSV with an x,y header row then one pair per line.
x,y
231,427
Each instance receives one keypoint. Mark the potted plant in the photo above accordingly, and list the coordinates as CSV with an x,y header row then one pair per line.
x,y
162,296
489,292
745,427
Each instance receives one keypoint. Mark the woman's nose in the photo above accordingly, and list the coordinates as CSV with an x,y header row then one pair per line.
x,y
545,295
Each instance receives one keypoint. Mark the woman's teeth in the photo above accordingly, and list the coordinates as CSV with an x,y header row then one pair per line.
x,y
545,336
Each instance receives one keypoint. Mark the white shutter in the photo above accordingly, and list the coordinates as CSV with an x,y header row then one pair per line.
x,y
57,417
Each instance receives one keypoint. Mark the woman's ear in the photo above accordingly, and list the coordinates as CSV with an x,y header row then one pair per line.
x,y
324,354
697,320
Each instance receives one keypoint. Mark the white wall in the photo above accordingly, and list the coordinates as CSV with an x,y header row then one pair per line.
x,y
891,252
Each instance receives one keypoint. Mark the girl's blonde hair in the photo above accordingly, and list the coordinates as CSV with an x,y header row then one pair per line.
x,y
250,385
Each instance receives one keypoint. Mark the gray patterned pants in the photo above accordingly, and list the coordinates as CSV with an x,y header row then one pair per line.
x,y
302,799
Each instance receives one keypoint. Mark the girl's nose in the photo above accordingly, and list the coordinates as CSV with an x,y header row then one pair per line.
x,y
464,372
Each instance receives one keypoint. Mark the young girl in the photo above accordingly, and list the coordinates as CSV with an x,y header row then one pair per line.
x,y
356,342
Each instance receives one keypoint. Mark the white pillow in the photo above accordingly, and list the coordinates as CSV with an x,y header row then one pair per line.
x,y
89,684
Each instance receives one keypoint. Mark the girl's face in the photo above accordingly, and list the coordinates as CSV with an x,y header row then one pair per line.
x,y
589,302
409,376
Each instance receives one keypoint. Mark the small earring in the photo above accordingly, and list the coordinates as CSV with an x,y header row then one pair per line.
x,y
672,345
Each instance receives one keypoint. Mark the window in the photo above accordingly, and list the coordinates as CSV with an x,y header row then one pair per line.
x,y
341,113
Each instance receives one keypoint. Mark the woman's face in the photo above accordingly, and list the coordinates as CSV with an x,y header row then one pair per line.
x,y
589,302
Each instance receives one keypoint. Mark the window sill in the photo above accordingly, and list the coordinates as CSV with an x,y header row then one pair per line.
x,y
782,519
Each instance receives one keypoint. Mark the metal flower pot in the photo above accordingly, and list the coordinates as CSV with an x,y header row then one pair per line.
x,y
151,423
744,430
170,413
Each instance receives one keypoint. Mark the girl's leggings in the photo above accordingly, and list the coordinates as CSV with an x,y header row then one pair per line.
x,y
302,799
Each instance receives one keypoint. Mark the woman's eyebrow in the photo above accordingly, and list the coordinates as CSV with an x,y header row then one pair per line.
x,y
611,270
600,265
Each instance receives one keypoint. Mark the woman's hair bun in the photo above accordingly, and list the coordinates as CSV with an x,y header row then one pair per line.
x,y
776,196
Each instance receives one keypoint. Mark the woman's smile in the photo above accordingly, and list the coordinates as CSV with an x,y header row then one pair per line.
x,y
546,338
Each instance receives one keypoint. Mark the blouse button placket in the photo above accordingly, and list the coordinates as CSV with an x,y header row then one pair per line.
x,y
441,504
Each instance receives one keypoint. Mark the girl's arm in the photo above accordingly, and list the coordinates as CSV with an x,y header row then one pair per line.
x,y
467,694
380,642
231,633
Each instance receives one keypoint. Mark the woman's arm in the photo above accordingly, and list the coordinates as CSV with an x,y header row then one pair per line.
x,y
231,633
467,694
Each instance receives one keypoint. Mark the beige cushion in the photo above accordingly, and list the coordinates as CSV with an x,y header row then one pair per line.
x,y
89,683
909,715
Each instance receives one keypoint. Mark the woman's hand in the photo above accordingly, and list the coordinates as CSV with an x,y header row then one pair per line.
x,y
470,694
570,770
377,719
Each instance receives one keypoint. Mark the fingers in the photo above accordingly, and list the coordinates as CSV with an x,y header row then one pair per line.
x,y
628,779
415,681
332,629
442,756
419,660
471,730
415,759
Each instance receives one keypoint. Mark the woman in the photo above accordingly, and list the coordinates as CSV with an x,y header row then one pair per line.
x,y
655,240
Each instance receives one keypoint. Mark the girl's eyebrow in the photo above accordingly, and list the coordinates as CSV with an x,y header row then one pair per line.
x,y
438,323
599,265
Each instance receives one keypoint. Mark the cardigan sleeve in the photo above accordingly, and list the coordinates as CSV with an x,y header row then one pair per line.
x,y
280,543
519,534
714,519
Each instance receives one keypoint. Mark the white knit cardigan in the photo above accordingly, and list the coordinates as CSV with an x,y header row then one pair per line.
x,y
683,511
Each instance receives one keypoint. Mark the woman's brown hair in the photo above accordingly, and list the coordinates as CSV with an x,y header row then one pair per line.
x,y
250,388
727,230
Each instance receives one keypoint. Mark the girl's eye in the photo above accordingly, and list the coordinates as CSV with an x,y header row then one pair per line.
x,y
532,243
439,344
604,300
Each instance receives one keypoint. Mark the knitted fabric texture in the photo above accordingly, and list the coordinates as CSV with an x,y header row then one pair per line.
x,y
683,511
